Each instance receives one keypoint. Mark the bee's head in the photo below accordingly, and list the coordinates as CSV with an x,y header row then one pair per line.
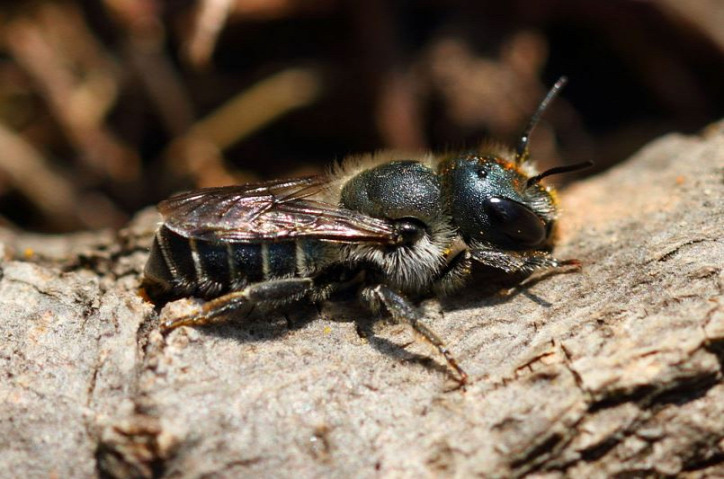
x,y
494,201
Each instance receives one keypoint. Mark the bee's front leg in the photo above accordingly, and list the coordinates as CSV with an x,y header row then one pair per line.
x,y
403,311
278,291
519,261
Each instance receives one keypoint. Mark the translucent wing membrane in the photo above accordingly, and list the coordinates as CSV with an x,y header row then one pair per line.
x,y
271,211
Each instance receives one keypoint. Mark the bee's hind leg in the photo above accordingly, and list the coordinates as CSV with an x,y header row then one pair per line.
x,y
278,291
404,312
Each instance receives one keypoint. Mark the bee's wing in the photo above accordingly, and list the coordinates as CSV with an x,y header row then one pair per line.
x,y
270,211
235,202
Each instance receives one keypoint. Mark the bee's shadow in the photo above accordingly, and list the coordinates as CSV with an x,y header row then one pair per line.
x,y
274,323
259,325
489,288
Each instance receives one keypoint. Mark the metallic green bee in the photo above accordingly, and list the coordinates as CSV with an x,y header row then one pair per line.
x,y
391,226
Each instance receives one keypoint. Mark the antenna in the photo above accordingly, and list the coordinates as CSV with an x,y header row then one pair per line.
x,y
521,152
556,170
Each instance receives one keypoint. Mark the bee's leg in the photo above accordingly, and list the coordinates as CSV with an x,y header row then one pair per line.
x,y
404,312
277,291
519,262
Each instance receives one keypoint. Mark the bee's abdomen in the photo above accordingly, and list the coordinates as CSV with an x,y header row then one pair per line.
x,y
181,266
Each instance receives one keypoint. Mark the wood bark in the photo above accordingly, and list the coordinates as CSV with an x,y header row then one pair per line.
x,y
613,371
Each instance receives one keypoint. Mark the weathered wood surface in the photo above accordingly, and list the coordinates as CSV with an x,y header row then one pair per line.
x,y
615,371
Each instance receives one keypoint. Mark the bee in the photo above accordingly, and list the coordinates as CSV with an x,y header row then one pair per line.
x,y
393,227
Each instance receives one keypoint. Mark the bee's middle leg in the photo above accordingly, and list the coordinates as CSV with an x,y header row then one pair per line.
x,y
273,291
404,312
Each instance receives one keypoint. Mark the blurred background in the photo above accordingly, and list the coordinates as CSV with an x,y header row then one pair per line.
x,y
108,106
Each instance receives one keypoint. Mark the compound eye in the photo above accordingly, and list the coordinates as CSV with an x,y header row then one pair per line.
x,y
515,221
